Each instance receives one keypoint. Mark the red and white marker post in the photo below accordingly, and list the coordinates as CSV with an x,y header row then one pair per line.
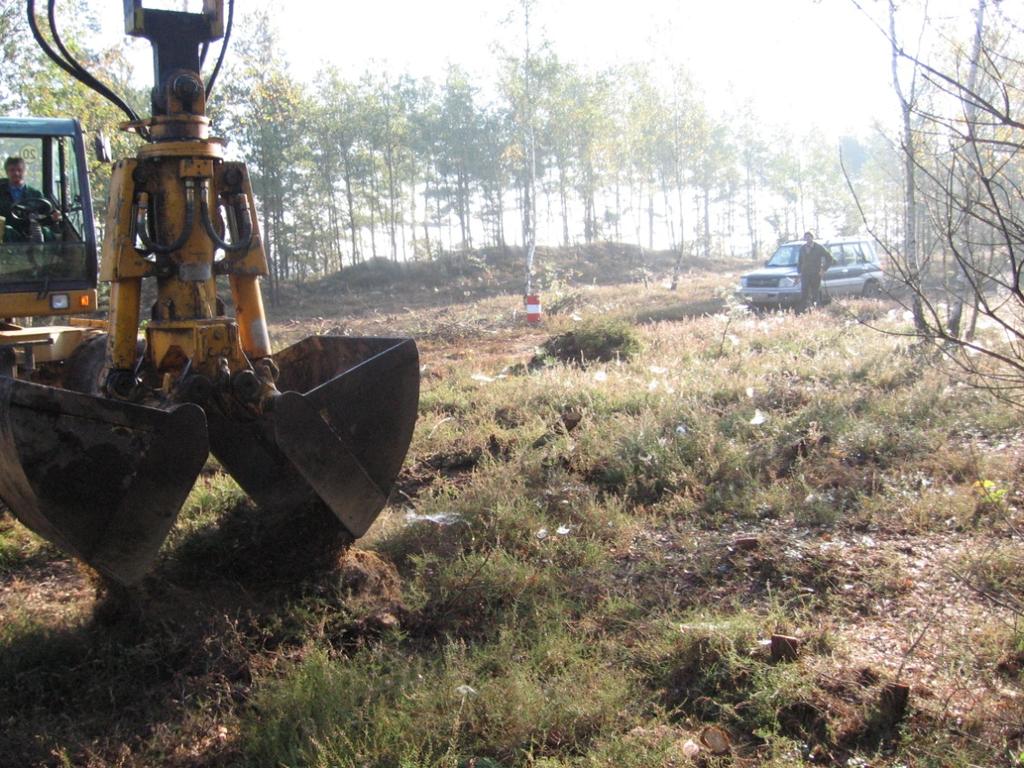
x,y
533,308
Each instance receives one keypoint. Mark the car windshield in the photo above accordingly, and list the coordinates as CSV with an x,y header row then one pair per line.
x,y
785,256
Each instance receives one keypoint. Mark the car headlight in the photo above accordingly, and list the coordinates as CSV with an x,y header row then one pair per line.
x,y
743,282
789,282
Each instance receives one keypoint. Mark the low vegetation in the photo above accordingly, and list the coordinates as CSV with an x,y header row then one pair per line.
x,y
584,563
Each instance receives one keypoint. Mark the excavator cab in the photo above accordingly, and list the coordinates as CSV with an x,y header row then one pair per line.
x,y
48,246
100,459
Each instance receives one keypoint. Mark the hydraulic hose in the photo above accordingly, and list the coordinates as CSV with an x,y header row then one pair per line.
x,y
244,240
223,49
68,63
141,221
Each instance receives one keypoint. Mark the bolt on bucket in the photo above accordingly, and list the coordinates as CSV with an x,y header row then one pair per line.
x,y
337,434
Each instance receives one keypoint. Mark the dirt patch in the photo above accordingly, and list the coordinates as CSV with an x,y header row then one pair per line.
x,y
145,664
372,590
900,619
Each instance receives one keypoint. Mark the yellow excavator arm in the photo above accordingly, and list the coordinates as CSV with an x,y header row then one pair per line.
x,y
102,464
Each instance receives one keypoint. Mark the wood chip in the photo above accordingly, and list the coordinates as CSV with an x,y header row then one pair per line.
x,y
785,648
715,740
746,543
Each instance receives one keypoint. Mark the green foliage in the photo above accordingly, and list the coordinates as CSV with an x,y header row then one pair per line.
x,y
375,166
31,84
10,551
595,340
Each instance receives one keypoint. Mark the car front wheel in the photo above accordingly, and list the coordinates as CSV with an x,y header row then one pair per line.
x,y
871,290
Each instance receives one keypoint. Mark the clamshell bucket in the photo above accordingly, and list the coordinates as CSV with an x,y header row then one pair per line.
x,y
101,479
338,433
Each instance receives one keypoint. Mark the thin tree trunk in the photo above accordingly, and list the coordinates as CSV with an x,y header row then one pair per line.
x,y
707,222
350,201
501,217
389,162
670,223
961,281
751,212
650,217
374,198
910,200
564,201
335,223
463,200
618,210
426,217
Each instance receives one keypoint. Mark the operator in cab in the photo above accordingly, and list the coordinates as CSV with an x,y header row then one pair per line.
x,y
14,192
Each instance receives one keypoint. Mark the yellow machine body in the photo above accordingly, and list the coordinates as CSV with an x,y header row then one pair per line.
x,y
101,462
186,322
34,305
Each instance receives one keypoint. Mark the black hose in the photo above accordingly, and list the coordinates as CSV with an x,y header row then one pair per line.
x,y
223,49
51,14
245,226
68,63
152,246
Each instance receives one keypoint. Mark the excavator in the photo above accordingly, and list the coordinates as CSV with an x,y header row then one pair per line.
x,y
103,429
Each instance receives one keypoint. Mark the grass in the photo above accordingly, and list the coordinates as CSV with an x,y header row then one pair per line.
x,y
593,341
583,565
20,548
536,694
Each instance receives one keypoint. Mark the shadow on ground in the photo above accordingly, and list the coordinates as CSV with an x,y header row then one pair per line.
x,y
130,676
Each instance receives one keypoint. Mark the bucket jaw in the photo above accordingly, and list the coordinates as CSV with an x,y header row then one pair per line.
x,y
101,479
104,479
336,435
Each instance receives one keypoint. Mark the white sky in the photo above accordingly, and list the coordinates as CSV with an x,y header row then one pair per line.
x,y
799,62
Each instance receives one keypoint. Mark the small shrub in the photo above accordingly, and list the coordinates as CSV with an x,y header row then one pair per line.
x,y
10,552
600,340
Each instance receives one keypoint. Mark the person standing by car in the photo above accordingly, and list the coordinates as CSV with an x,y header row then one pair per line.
x,y
814,262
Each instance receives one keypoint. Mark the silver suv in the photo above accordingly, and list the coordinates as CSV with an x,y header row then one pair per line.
x,y
856,272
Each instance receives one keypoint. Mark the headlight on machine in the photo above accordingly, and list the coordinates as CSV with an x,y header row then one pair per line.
x,y
59,301
789,282
743,282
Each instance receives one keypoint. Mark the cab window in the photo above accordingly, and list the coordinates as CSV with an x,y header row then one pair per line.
x,y
67,190
31,151
44,252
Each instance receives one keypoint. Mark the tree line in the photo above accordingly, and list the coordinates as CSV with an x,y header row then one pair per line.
x,y
376,165
400,167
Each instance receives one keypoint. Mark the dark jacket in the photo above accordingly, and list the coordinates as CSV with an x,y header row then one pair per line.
x,y
6,202
814,259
